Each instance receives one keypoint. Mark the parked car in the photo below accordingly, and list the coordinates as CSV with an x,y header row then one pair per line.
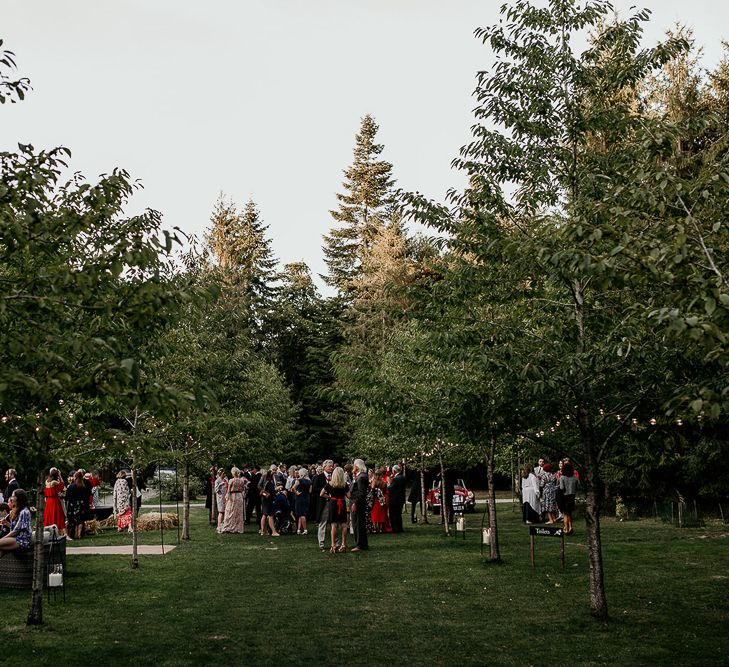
x,y
459,490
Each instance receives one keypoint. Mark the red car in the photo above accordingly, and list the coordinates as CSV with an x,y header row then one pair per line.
x,y
467,498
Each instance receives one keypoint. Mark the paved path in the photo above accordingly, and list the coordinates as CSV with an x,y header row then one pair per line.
x,y
122,550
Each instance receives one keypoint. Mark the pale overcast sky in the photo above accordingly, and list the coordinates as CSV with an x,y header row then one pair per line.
x,y
262,98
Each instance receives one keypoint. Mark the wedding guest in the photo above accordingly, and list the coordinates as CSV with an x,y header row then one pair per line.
x,y
221,493
235,515
302,489
268,494
54,514
568,486
530,495
18,523
359,505
12,483
77,506
396,493
335,491
122,502
549,493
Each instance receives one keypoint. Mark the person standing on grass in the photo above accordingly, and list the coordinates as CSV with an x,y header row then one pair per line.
x,y
54,514
302,495
234,520
221,494
12,483
396,492
568,486
358,497
122,503
415,497
268,493
549,493
77,506
530,495
321,533
335,492
253,501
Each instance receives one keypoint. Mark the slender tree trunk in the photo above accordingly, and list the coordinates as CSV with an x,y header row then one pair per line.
x,y
186,502
443,500
423,492
214,499
35,613
135,554
591,474
493,526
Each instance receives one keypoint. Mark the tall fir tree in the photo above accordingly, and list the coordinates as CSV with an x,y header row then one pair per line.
x,y
243,260
363,208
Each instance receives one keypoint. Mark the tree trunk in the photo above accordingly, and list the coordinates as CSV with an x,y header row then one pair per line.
x,y
443,500
35,613
423,492
593,505
214,499
593,483
135,555
186,503
493,526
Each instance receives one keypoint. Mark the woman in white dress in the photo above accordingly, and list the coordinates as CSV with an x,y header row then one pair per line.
x,y
530,495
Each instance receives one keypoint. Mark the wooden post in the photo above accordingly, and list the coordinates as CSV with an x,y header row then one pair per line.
x,y
561,549
531,548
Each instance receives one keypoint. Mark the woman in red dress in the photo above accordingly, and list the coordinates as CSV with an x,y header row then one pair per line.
x,y
54,514
379,507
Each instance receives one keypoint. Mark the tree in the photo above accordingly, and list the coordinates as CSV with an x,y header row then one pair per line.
x,y
363,208
552,155
243,260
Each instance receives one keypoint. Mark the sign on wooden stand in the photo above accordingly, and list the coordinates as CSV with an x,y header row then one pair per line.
x,y
546,531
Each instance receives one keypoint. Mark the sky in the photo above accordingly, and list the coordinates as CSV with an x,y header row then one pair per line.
x,y
262,99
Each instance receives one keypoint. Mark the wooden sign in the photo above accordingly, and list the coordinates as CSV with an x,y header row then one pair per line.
x,y
546,531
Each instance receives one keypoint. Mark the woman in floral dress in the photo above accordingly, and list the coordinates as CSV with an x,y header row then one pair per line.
x,y
235,512
549,492
122,502
221,494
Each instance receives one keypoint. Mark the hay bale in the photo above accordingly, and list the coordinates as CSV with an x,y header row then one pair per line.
x,y
92,527
152,521
109,522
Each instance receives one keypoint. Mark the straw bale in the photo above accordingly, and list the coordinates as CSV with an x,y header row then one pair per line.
x,y
151,521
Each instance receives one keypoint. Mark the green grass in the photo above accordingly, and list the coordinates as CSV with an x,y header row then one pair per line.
x,y
418,598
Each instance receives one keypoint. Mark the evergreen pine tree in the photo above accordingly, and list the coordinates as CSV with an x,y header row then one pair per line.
x,y
362,209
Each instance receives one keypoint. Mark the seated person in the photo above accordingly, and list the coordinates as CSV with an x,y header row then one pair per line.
x,y
18,522
4,511
280,501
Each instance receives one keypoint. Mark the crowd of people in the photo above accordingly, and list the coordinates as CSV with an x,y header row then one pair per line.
x,y
549,495
349,501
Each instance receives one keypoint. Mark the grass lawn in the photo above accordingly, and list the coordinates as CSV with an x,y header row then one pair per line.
x,y
417,598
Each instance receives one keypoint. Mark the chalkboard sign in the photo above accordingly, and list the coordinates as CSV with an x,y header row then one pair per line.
x,y
546,531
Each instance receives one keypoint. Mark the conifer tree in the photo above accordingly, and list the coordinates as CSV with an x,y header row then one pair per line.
x,y
362,209
243,260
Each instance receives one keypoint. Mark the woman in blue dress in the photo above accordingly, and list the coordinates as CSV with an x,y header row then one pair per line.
x,y
19,523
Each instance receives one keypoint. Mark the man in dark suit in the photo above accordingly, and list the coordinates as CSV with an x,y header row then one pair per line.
x,y
358,499
12,483
396,493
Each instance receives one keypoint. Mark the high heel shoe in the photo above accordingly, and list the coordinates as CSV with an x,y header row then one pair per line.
x,y
342,549
333,550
